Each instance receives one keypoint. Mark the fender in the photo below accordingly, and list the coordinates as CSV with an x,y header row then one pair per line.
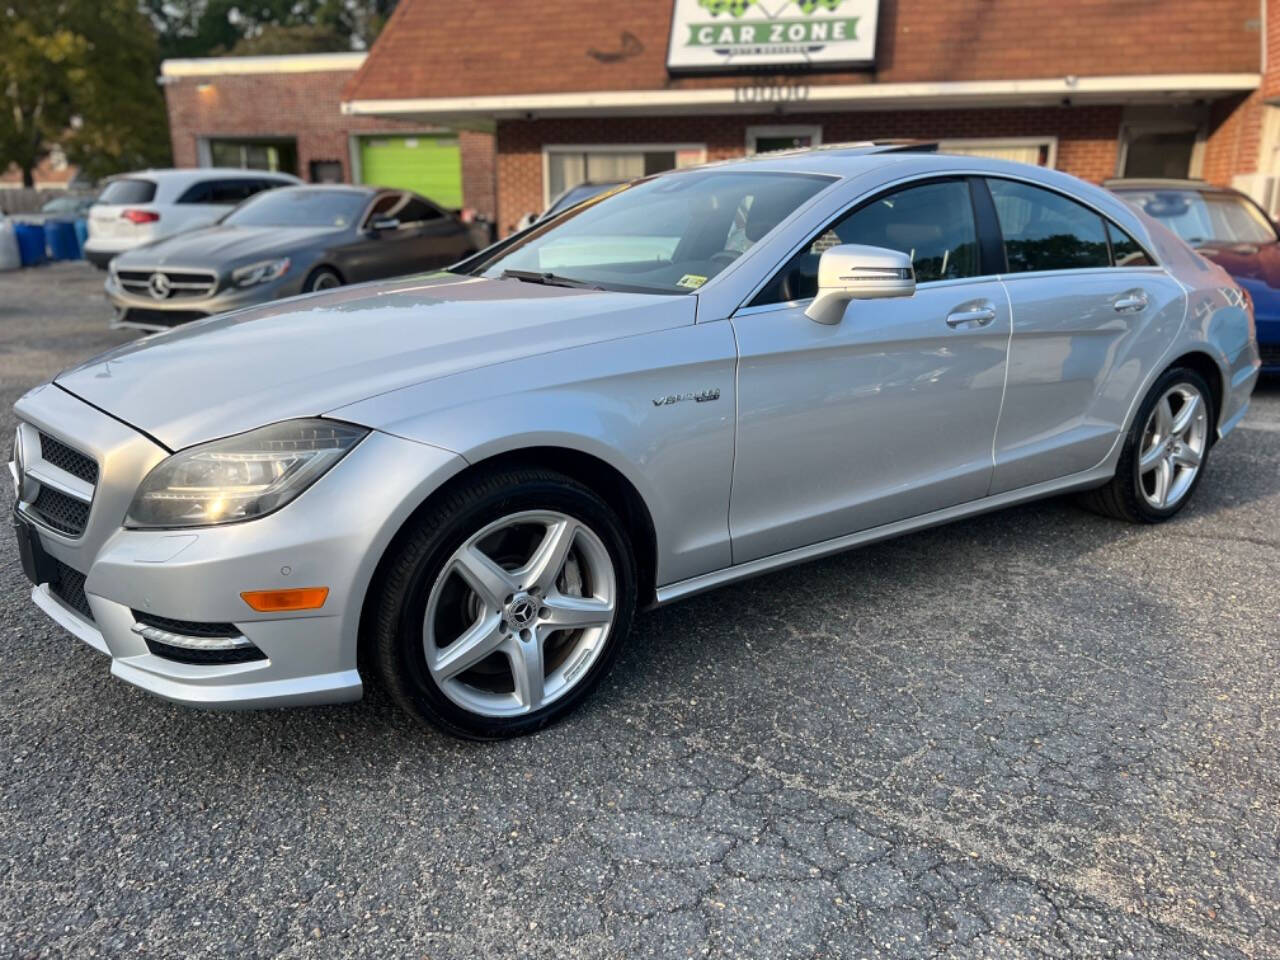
x,y
601,399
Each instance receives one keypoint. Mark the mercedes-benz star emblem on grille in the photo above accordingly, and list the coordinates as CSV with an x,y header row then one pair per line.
x,y
159,286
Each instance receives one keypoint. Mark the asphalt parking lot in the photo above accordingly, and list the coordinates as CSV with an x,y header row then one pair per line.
x,y
1034,734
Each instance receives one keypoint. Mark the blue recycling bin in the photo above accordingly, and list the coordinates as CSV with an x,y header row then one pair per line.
x,y
30,243
60,239
82,233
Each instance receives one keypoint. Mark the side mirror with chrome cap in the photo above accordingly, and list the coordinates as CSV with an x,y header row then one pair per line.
x,y
383,224
853,271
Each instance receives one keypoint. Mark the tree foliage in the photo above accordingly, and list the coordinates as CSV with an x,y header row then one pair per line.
x,y
204,28
274,40
79,74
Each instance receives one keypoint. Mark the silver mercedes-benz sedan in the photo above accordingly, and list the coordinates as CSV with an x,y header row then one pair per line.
x,y
464,485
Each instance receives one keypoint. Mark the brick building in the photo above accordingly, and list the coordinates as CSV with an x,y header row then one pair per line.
x,y
617,88
284,113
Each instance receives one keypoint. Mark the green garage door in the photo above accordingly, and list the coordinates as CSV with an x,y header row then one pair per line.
x,y
430,165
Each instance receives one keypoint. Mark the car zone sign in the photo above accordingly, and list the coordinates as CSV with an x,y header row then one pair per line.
x,y
746,34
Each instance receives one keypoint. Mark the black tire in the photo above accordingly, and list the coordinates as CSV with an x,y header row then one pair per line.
x,y
321,278
397,647
1121,498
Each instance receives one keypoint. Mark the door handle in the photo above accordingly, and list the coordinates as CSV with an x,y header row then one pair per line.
x,y
1135,301
974,315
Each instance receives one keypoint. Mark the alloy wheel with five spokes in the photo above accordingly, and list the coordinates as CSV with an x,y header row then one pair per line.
x,y
536,601
1173,446
504,604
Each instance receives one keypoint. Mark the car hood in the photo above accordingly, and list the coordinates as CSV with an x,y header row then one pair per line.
x,y
308,355
220,245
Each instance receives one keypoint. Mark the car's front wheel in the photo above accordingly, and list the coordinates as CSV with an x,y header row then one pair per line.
x,y
505,604
321,278
1165,453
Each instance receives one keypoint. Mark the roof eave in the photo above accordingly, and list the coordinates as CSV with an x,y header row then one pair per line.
x,y
1076,91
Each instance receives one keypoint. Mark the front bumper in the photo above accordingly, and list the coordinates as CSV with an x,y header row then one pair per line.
x,y
141,312
333,535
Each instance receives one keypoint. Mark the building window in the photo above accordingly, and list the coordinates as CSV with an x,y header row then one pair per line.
x,y
769,139
1038,151
568,166
326,171
276,155
1158,153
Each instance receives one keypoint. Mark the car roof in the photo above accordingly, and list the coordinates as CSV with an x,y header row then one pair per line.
x,y
359,188
194,173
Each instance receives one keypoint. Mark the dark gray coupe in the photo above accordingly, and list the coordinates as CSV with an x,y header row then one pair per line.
x,y
281,243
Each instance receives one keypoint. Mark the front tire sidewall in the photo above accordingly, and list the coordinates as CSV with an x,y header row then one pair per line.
x,y
310,285
411,679
1128,466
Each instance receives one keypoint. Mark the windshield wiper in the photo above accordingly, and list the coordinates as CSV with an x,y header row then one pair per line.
x,y
549,279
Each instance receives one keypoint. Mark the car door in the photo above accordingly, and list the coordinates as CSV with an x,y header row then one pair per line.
x,y
438,238
411,245
372,254
1091,313
891,412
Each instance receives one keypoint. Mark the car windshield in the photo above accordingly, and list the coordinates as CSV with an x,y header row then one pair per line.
x,y
666,234
1199,217
299,208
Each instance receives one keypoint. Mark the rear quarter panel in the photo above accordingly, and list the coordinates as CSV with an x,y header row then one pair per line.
x,y
1218,324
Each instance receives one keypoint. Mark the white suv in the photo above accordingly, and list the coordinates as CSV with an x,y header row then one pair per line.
x,y
136,208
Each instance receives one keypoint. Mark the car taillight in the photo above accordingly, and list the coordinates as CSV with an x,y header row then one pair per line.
x,y
141,216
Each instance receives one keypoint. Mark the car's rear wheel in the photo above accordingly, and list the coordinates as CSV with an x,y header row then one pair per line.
x,y
505,605
321,278
1165,453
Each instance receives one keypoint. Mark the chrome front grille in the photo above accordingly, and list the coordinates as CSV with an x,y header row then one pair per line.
x,y
168,284
57,484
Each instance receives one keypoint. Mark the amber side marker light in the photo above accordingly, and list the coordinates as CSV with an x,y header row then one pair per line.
x,y
276,601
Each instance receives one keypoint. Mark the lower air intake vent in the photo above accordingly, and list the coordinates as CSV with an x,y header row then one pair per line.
x,y
185,641
69,588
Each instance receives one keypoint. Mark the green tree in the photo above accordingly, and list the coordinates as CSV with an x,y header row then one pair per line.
x,y
80,74
39,59
274,39
205,28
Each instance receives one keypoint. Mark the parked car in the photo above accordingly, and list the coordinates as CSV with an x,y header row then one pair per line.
x,y
463,486
138,208
569,198
69,206
1227,227
281,243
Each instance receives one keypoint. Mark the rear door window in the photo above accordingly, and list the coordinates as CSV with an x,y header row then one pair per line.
x,y
418,211
1126,251
129,190
230,192
1044,230
201,192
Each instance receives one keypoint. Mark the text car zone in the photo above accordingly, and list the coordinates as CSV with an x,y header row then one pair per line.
x,y
467,482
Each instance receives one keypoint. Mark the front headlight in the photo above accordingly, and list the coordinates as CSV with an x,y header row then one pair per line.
x,y
263,272
241,477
